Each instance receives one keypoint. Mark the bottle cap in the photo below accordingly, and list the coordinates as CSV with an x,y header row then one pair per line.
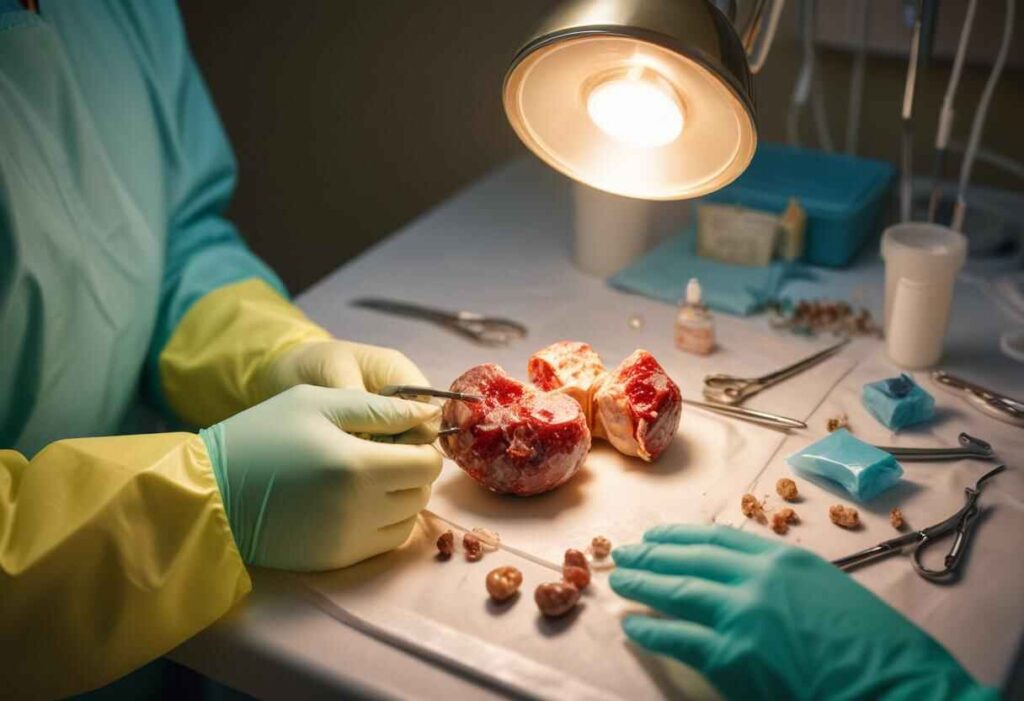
x,y
693,292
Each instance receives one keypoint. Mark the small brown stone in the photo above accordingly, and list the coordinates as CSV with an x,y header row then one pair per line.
x,y
752,507
786,488
600,547
896,519
503,583
844,516
782,519
445,545
473,548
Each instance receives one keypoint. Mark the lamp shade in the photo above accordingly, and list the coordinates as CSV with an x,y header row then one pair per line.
x,y
642,98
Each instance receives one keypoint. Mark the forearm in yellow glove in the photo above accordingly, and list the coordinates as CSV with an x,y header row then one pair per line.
x,y
244,343
112,552
211,367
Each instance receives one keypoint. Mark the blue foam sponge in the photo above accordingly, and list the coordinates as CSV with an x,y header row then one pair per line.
x,y
861,469
898,402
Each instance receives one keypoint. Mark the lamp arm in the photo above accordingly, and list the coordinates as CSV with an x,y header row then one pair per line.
x,y
727,8
763,22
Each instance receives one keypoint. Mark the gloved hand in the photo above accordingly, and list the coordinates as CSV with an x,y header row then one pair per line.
x,y
761,619
334,363
303,493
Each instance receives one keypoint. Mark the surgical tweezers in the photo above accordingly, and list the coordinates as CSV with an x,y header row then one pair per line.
x,y
413,391
728,389
961,524
970,447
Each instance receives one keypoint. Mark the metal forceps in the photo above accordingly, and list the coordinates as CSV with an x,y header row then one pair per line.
x,y
728,389
961,524
413,391
970,448
485,330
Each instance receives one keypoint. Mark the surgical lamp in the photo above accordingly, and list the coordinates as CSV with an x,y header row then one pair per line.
x,y
650,99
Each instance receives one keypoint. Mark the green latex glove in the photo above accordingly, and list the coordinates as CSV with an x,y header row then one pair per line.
x,y
761,619
303,493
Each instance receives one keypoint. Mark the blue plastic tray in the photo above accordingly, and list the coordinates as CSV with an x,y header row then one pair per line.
x,y
842,195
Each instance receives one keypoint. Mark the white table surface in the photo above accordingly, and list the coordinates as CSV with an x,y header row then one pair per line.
x,y
503,246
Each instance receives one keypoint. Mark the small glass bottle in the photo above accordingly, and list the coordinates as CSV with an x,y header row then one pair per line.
x,y
695,327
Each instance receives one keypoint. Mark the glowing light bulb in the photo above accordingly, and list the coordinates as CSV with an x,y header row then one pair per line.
x,y
636,111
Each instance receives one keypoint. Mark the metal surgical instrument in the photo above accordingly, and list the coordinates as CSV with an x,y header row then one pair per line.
x,y
758,417
413,391
728,389
970,447
961,524
486,330
996,405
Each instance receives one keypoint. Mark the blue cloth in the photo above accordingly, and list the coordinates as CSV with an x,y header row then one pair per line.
x,y
898,402
861,469
114,177
734,289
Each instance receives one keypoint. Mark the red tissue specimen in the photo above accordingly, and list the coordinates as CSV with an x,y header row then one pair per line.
x,y
638,407
518,440
530,438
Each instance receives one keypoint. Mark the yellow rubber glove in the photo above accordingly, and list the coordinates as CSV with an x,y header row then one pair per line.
x,y
350,365
113,551
340,364
303,493
244,343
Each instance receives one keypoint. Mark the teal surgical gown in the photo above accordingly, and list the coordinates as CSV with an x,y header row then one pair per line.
x,y
114,176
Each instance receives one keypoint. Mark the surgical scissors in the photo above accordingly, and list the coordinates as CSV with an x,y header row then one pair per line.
x,y
729,389
486,330
961,524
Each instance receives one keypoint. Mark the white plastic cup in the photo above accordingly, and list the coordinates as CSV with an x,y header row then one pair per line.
x,y
921,265
610,231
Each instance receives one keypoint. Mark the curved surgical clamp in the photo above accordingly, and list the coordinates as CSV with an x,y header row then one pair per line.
x,y
729,389
961,524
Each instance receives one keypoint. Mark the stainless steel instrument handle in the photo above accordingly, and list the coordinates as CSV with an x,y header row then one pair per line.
x,y
923,454
415,391
969,448
996,405
726,389
887,547
944,378
952,560
415,311
799,366
491,331
752,415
